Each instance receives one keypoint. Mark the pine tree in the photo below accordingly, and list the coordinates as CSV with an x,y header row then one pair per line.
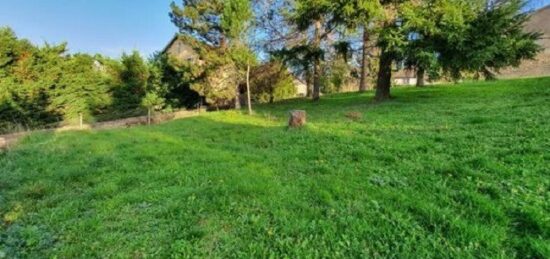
x,y
360,15
314,16
81,90
494,39
217,27
430,26
133,77
456,35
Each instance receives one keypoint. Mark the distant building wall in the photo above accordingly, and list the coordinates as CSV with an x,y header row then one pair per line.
x,y
540,66
404,77
404,81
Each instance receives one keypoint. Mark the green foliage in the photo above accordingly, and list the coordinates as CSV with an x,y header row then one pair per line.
x,y
82,89
134,77
494,39
356,14
219,85
155,82
213,22
172,81
10,48
24,81
200,19
235,17
308,12
337,75
459,37
45,86
152,101
216,29
456,36
242,56
430,25
300,57
285,88
436,172
271,82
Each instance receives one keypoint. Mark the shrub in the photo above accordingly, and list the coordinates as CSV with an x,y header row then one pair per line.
x,y
271,82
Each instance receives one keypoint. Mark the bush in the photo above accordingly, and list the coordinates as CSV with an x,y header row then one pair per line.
x,y
271,82
44,86
337,76
168,80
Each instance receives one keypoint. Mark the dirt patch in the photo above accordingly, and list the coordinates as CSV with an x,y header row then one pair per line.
x,y
9,140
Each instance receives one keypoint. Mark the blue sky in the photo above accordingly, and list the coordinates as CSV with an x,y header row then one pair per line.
x,y
107,27
533,4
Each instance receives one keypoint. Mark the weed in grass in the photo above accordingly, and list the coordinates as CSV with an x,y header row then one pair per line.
x,y
354,115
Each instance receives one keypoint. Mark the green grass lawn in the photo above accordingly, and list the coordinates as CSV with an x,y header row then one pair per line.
x,y
447,171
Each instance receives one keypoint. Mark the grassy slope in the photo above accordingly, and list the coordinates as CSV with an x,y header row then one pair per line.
x,y
437,172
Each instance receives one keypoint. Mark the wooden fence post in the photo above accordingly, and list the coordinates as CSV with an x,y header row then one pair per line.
x,y
249,102
81,121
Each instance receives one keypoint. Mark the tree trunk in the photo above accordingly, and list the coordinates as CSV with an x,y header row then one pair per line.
x,y
317,62
238,99
149,116
317,80
248,101
420,73
383,83
309,82
489,76
223,43
81,120
365,62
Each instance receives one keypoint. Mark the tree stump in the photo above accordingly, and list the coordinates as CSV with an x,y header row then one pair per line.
x,y
297,118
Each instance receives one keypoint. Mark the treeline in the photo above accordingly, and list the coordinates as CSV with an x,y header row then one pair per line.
x,y
435,38
46,85
329,43
42,86
262,46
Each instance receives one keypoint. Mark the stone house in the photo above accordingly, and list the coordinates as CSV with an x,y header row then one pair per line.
x,y
405,76
179,49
